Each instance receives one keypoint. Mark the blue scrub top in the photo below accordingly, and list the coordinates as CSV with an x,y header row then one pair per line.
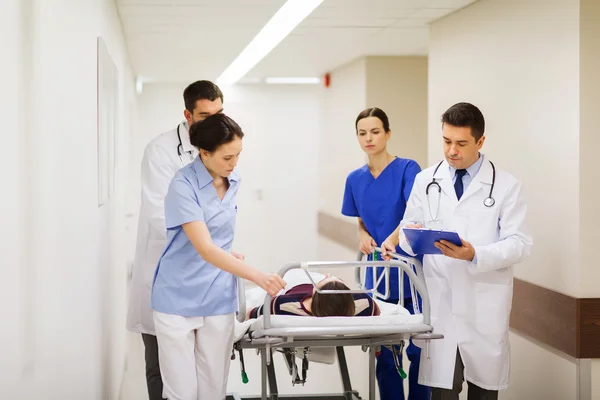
x,y
184,283
381,203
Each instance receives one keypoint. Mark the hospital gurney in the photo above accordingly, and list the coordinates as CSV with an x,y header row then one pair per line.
x,y
296,336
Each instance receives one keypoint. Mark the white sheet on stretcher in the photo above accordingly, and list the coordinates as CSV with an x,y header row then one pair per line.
x,y
391,314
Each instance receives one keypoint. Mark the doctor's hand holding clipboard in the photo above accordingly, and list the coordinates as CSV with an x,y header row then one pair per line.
x,y
451,245
448,243
465,252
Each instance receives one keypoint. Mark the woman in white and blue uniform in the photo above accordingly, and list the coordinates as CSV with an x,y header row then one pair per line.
x,y
194,292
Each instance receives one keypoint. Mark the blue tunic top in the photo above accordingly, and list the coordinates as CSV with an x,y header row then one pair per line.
x,y
381,203
184,283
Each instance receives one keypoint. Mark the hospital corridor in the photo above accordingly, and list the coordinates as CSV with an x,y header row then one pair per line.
x,y
299,199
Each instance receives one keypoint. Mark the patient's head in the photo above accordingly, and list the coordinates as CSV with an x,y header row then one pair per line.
x,y
332,305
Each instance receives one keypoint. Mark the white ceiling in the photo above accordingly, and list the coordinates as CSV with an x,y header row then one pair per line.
x,y
186,40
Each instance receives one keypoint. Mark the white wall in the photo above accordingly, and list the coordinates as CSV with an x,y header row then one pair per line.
x,y
12,201
518,60
280,172
339,151
539,372
68,274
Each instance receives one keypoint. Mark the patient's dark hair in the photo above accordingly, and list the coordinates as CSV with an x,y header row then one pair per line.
x,y
333,305
214,131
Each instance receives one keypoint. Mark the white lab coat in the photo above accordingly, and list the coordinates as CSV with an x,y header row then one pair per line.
x,y
160,163
471,303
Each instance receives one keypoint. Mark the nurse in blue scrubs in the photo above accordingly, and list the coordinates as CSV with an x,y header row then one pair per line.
x,y
194,293
377,194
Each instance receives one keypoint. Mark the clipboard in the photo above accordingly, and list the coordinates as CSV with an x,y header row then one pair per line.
x,y
422,240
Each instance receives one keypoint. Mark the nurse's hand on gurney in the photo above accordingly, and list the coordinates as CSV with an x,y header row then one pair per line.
x,y
367,243
388,246
271,283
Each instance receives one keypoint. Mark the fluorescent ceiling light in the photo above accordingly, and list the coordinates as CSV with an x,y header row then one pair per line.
x,y
294,80
279,26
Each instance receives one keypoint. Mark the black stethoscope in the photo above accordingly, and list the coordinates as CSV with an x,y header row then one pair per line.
x,y
488,201
180,149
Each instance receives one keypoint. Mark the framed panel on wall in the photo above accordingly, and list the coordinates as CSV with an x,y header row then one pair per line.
x,y
108,90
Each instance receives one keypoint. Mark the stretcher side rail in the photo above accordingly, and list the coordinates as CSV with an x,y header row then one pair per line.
x,y
412,263
400,264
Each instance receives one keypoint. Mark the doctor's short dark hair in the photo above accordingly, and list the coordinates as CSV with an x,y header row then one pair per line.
x,y
213,132
374,112
464,115
200,90
333,304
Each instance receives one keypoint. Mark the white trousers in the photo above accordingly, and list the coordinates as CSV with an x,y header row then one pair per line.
x,y
194,355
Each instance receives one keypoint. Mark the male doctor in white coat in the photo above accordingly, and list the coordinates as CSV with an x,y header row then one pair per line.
x,y
470,286
163,157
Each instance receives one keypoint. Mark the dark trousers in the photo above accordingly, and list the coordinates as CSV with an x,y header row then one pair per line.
x,y
153,378
388,379
474,393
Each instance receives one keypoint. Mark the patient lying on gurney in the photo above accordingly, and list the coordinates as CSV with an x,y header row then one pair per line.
x,y
303,300
300,299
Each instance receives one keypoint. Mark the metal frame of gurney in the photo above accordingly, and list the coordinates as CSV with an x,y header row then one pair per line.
x,y
288,340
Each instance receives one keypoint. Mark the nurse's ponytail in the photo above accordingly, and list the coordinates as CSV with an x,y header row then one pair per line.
x,y
213,132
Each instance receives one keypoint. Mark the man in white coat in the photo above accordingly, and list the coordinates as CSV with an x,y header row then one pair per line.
x,y
470,286
163,157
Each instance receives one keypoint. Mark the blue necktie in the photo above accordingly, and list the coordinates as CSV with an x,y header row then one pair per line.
x,y
458,185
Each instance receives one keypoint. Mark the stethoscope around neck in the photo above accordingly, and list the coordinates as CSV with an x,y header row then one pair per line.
x,y
488,201
180,149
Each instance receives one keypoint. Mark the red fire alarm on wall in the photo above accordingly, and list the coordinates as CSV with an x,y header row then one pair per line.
x,y
326,80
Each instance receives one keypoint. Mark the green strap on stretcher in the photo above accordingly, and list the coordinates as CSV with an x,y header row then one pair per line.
x,y
376,255
402,373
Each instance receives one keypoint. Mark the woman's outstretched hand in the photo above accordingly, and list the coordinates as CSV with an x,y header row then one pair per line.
x,y
271,283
